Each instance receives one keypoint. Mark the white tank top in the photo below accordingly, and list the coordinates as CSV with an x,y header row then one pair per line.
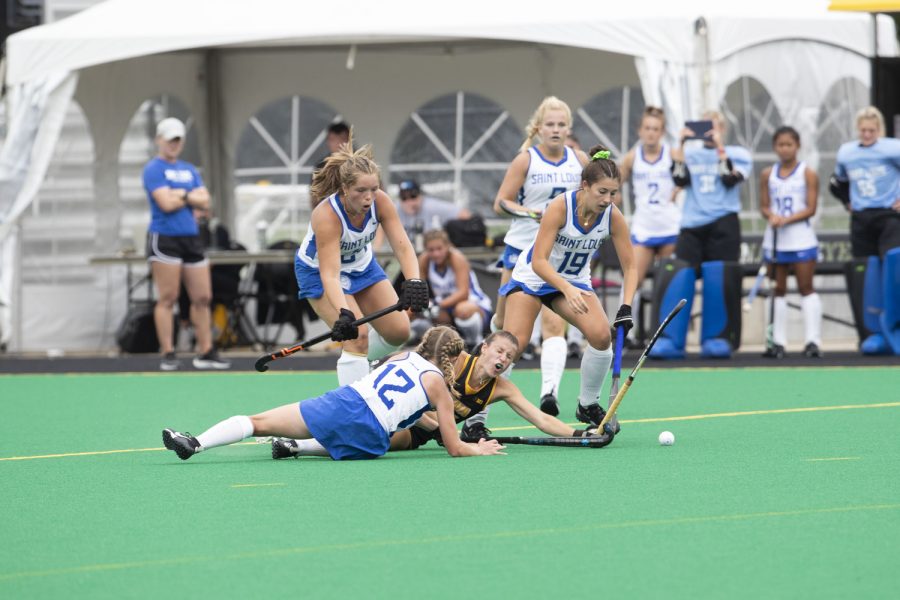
x,y
572,251
443,284
787,196
544,181
655,215
356,244
394,391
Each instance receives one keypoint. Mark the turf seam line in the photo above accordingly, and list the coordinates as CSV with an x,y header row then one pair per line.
x,y
498,535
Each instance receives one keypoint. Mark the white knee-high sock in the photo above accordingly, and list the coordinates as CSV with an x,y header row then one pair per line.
x,y
229,431
536,332
479,417
779,321
553,363
812,318
310,447
351,367
378,346
470,328
594,367
493,325
574,335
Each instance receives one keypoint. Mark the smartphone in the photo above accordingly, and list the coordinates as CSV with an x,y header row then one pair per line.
x,y
700,128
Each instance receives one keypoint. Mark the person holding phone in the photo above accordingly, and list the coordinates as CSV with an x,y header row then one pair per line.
x,y
710,238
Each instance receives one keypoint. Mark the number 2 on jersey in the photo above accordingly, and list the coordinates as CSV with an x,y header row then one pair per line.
x,y
398,374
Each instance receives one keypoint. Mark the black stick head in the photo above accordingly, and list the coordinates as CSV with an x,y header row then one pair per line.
x,y
261,364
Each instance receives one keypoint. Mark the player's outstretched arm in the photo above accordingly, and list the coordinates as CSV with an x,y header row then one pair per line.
x,y
509,393
440,399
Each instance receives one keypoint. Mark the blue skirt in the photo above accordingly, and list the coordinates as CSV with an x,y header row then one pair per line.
x,y
509,258
655,242
792,256
310,283
342,422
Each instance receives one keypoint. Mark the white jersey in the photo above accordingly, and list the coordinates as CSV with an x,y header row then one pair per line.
x,y
356,243
788,196
655,215
394,391
571,253
544,181
442,284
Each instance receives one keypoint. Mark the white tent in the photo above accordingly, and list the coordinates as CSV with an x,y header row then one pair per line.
x,y
376,63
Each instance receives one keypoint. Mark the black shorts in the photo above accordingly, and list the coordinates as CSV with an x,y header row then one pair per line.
x,y
719,240
874,231
546,299
420,436
175,250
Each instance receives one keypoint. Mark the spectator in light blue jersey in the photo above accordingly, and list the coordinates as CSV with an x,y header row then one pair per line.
x,y
710,173
867,180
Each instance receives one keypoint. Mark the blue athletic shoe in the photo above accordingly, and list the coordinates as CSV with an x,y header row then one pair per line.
x,y
875,344
665,349
715,348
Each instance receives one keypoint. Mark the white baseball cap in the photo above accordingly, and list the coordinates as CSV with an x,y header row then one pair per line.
x,y
169,129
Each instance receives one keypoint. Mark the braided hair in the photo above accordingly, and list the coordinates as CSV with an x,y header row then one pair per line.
x,y
342,169
442,345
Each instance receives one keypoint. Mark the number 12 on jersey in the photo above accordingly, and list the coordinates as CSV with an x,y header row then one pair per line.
x,y
391,385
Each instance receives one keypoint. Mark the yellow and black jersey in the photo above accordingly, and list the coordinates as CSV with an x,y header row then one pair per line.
x,y
471,400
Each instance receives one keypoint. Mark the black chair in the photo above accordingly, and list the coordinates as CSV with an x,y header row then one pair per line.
x,y
276,298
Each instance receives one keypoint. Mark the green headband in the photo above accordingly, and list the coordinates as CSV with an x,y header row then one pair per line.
x,y
601,154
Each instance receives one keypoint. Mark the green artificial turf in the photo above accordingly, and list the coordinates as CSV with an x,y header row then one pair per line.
x,y
756,499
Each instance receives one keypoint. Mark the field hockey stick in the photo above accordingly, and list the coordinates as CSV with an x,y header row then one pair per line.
x,y
770,326
611,413
757,283
263,361
520,212
594,441
616,372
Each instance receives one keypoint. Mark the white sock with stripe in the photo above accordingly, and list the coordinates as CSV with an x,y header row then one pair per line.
x,y
553,363
351,367
229,431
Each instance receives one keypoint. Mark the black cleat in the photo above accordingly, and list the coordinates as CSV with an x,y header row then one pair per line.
x,y
549,405
812,351
593,415
283,448
211,360
774,351
474,432
183,444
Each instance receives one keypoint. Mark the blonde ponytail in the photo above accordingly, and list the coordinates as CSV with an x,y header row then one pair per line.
x,y
443,345
342,169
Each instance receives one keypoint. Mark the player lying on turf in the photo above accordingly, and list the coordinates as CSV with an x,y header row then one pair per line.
x,y
356,421
476,384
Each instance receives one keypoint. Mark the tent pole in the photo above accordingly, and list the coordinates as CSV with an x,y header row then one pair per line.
x,y
218,179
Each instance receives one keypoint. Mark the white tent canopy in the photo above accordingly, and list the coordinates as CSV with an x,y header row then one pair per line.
x,y
225,59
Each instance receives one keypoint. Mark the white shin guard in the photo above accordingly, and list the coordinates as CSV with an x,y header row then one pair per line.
x,y
812,318
594,367
351,367
553,364
378,346
229,431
